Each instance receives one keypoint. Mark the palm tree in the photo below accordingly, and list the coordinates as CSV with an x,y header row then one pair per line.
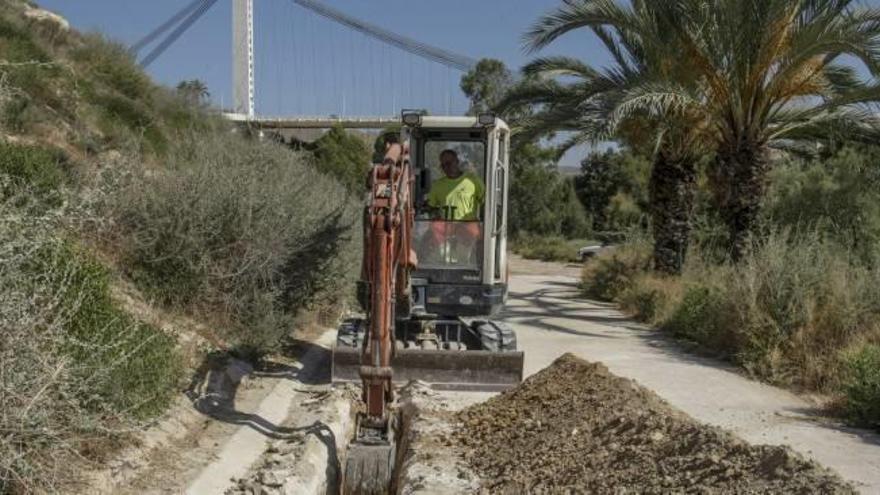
x,y
195,92
616,103
735,76
773,73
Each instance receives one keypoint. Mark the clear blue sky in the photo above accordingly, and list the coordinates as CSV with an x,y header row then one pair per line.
x,y
306,65
309,65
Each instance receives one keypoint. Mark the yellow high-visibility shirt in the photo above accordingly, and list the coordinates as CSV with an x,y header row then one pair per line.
x,y
465,194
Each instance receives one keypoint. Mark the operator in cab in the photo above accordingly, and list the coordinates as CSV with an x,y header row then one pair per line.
x,y
455,200
459,195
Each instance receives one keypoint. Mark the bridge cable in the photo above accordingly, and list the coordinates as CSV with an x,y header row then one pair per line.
x,y
165,26
177,33
445,57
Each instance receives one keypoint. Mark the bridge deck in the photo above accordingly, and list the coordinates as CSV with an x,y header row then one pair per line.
x,y
314,122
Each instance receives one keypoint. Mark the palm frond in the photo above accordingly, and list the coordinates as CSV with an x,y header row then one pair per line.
x,y
576,14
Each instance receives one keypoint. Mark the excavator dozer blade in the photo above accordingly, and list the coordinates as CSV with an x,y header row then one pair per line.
x,y
442,369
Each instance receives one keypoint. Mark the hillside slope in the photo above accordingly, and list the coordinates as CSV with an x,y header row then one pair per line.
x,y
111,185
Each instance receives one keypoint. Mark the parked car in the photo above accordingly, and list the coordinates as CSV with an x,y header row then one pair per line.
x,y
588,252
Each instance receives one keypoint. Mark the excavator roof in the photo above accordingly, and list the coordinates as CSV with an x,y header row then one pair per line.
x,y
454,122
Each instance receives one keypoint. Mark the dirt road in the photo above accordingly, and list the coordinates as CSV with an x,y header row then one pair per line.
x,y
551,319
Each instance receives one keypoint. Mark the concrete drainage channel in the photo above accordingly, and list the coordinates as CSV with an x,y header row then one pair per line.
x,y
312,462
294,442
309,459
291,442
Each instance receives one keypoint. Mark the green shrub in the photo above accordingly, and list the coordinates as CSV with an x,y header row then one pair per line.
x,y
77,371
39,168
344,156
610,273
545,248
113,65
862,384
613,186
838,196
696,318
650,298
246,231
542,201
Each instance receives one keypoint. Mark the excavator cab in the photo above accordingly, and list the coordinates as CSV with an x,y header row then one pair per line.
x,y
443,333
462,258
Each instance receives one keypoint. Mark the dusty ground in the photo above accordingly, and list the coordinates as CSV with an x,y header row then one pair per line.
x,y
433,463
575,427
236,429
305,456
550,316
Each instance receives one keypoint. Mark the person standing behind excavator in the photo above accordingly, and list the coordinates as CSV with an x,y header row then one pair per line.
x,y
459,195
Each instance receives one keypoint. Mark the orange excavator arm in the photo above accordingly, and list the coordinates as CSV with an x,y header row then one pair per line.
x,y
388,259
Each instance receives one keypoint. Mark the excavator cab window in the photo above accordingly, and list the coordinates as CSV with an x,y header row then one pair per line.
x,y
450,208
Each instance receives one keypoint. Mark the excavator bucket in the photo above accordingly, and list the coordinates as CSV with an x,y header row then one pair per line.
x,y
442,369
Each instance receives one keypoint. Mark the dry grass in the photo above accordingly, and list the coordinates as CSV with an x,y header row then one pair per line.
x,y
76,371
613,271
548,248
794,312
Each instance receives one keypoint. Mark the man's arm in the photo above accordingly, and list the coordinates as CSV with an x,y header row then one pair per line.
x,y
433,199
479,190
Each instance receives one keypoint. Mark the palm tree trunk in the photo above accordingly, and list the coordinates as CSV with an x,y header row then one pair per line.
x,y
672,193
743,170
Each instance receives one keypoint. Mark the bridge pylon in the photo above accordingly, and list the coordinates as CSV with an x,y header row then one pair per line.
x,y
243,57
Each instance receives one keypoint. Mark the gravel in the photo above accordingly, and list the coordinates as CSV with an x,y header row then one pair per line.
x,y
576,428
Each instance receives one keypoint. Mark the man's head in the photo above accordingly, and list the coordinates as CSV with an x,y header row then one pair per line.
x,y
390,138
450,164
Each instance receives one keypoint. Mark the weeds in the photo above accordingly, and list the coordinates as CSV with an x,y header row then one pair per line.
x,y
76,370
609,274
546,248
862,384
39,168
784,313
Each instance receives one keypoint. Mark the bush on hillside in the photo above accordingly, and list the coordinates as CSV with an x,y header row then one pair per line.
x,y
345,157
34,88
245,231
113,65
40,169
76,369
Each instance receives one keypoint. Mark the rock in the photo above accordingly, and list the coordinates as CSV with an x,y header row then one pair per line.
x,y
272,478
43,15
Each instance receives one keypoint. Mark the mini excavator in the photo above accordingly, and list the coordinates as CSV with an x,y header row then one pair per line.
x,y
430,282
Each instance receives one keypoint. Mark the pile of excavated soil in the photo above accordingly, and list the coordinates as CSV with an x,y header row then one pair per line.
x,y
575,427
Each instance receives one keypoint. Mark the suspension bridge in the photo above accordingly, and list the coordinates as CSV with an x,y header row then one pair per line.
x,y
375,61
